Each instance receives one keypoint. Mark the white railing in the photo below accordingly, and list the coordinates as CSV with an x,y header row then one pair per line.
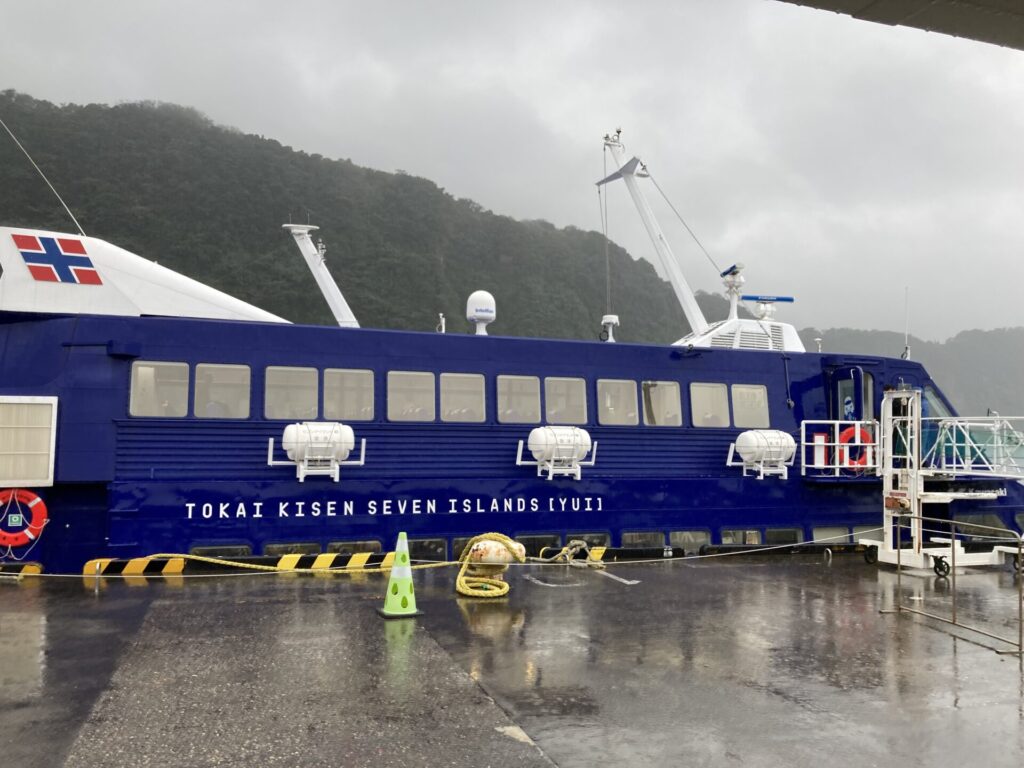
x,y
991,446
839,448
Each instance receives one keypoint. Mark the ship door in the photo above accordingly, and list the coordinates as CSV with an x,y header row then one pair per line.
x,y
852,394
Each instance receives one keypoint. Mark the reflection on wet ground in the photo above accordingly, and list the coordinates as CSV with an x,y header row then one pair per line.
x,y
754,661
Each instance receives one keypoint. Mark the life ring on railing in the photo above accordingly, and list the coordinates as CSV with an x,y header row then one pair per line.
x,y
37,521
865,442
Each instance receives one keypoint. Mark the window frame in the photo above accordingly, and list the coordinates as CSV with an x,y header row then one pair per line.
x,y
498,379
316,393
372,388
601,410
136,364
767,408
724,389
483,396
573,380
389,400
195,390
645,389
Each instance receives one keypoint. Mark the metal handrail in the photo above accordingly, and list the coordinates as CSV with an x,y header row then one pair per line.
x,y
1018,573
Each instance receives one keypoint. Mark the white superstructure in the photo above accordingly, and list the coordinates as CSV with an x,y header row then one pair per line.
x,y
60,273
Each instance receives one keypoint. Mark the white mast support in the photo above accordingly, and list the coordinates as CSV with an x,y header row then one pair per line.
x,y
684,294
314,257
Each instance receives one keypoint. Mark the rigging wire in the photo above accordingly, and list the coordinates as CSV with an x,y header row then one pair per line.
x,y
40,172
682,220
602,204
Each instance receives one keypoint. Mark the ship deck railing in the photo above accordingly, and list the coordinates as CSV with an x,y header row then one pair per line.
x,y
989,446
839,448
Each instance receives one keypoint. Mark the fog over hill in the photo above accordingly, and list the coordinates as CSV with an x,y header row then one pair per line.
x,y
165,182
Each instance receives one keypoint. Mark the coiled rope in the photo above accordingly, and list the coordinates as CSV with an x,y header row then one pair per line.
x,y
475,585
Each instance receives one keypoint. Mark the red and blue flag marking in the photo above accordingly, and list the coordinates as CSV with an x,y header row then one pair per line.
x,y
57,259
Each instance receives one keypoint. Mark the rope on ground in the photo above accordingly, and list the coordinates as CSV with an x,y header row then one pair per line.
x,y
560,558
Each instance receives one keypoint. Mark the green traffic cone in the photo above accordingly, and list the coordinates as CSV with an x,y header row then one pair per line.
x,y
400,601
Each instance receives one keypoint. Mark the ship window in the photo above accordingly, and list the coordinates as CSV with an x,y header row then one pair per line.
x,y
689,541
869,531
831,534
661,404
428,549
410,396
989,521
226,551
462,397
534,543
222,392
159,389
643,539
616,402
592,539
348,395
741,536
518,399
750,405
291,393
27,429
933,405
709,404
291,548
774,536
353,547
565,401
868,386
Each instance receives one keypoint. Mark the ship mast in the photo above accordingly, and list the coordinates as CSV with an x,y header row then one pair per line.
x,y
628,171
314,255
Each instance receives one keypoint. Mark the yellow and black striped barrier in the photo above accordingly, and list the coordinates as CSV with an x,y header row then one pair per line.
x,y
20,569
181,565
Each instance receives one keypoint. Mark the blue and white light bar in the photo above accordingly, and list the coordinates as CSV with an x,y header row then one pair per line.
x,y
769,299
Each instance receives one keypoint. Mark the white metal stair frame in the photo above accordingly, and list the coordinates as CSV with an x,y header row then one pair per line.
x,y
904,493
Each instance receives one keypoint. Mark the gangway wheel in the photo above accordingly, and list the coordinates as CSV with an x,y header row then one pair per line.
x,y
940,566
871,555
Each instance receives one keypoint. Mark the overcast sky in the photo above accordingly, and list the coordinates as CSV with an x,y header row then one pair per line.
x,y
840,160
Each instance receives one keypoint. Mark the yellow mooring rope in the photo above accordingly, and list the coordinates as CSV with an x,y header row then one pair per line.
x,y
482,586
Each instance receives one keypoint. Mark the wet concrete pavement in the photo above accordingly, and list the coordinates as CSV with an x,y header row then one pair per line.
x,y
762,662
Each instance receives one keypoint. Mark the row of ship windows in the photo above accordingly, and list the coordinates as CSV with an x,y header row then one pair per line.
x,y
161,389
437,548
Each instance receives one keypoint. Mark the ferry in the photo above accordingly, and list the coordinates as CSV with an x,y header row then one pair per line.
x,y
143,412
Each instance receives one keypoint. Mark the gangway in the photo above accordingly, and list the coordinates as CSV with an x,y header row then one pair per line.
x,y
961,448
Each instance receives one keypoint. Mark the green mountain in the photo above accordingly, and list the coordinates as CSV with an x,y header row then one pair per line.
x,y
208,201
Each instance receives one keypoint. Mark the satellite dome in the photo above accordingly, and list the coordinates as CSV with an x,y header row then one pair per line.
x,y
481,310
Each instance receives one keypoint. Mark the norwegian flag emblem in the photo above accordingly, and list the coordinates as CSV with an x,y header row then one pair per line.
x,y
57,259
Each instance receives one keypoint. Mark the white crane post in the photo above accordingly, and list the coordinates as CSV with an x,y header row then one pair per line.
x,y
684,294
314,257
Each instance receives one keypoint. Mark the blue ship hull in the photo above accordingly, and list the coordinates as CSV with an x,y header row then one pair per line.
x,y
127,487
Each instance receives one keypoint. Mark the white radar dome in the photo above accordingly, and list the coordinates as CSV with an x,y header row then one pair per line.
x,y
481,310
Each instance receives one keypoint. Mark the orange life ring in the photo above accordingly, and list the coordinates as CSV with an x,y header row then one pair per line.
x,y
845,437
35,526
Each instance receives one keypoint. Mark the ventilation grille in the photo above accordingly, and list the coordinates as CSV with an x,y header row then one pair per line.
x,y
725,340
755,340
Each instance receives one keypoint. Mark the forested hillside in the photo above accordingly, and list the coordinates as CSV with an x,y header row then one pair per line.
x,y
165,182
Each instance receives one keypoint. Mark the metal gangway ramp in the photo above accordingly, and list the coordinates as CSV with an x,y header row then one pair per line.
x,y
958,448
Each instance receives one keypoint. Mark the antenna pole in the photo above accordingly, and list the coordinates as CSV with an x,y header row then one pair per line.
x,y
906,323
684,294
43,175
